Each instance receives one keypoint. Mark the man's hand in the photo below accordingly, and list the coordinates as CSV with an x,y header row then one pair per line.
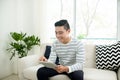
x,y
61,68
42,58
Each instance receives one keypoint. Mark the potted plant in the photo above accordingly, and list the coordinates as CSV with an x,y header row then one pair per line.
x,y
22,44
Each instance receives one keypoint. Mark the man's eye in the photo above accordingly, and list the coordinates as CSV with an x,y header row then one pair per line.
x,y
60,32
55,32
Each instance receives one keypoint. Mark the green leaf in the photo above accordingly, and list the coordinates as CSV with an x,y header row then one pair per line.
x,y
17,36
22,44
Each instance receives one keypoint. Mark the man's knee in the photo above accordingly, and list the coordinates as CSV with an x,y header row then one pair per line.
x,y
46,72
41,72
77,75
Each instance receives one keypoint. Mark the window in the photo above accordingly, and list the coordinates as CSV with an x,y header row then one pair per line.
x,y
89,19
96,19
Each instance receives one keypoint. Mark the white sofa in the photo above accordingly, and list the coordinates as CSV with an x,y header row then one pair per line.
x,y
29,65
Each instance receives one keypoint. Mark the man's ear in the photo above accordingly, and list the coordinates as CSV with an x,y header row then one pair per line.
x,y
69,30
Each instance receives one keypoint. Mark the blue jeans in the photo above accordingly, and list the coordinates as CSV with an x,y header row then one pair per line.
x,y
44,73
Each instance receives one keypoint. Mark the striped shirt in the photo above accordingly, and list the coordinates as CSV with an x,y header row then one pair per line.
x,y
70,54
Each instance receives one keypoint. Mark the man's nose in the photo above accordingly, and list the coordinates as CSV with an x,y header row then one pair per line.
x,y
57,35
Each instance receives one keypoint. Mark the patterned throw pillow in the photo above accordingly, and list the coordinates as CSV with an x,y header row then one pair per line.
x,y
108,56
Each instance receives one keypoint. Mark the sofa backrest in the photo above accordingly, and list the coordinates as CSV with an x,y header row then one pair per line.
x,y
90,56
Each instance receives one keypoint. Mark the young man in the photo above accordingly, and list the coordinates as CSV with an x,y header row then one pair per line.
x,y
70,52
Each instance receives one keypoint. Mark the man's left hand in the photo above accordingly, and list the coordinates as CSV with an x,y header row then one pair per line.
x,y
61,69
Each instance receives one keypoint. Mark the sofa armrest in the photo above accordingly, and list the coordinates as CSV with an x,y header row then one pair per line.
x,y
118,74
26,62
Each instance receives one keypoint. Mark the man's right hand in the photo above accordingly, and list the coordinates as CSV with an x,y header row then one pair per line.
x,y
42,58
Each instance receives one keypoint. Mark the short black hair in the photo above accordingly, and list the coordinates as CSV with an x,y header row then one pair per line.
x,y
64,23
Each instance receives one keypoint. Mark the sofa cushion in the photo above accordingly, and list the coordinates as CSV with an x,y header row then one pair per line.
x,y
118,74
90,59
108,56
99,74
60,77
32,71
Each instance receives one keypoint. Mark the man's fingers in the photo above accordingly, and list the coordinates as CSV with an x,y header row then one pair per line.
x,y
43,58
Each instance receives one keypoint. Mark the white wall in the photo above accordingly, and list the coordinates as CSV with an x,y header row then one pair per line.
x,y
41,20
7,24
47,18
17,15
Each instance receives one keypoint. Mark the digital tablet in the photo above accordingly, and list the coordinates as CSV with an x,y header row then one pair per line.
x,y
48,64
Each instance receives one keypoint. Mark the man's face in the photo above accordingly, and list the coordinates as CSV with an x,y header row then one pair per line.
x,y
61,34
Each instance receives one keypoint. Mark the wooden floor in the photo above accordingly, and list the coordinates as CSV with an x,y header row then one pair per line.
x,y
11,77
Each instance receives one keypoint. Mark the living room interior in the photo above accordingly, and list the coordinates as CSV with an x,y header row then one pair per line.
x,y
37,17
